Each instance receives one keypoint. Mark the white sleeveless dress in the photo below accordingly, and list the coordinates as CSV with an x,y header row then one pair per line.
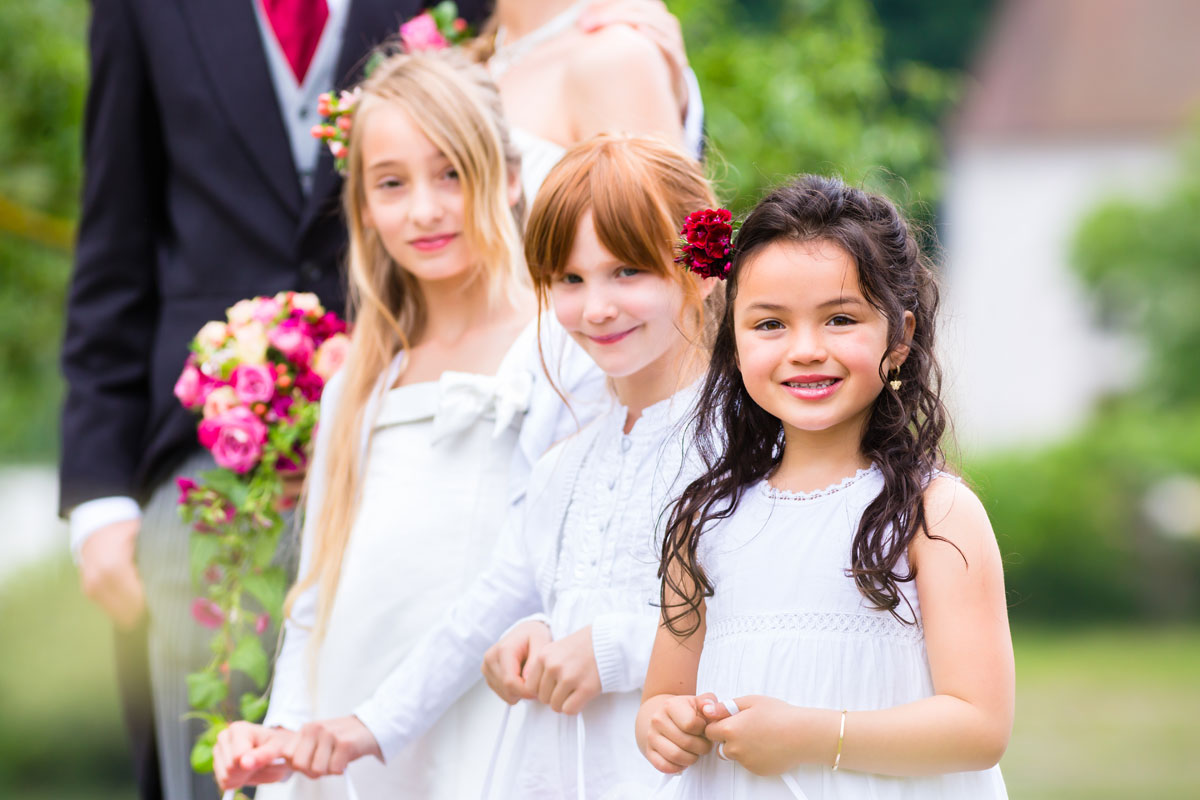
x,y
785,621
446,460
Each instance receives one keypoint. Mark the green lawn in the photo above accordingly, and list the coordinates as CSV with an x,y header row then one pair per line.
x,y
1106,714
1111,713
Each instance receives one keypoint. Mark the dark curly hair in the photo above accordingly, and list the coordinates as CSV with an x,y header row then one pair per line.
x,y
740,443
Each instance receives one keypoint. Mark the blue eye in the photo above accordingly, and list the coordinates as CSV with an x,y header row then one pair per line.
x,y
629,272
571,278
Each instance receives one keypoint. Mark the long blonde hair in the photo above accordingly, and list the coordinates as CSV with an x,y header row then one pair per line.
x,y
456,105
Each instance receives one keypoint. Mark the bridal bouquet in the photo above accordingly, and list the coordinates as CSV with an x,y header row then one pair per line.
x,y
255,380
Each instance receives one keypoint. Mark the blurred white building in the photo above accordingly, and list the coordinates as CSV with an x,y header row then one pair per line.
x,y
1072,101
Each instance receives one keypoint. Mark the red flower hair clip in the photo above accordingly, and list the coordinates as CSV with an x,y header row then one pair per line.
x,y
706,242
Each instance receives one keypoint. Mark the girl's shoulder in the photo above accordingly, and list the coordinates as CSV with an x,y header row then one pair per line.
x,y
957,520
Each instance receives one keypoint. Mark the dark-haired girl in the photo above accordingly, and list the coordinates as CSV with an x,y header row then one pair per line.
x,y
824,577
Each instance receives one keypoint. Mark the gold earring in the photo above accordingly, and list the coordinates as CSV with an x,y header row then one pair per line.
x,y
895,382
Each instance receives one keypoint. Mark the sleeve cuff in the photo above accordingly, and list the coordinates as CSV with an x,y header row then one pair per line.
x,y
606,647
390,740
87,518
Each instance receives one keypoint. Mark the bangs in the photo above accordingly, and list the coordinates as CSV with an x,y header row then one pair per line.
x,y
624,193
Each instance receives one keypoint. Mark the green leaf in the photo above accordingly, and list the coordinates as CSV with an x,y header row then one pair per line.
x,y
202,751
249,657
444,14
205,550
206,689
264,546
253,706
268,588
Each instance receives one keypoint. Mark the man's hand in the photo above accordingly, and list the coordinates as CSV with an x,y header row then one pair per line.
x,y
327,747
248,755
564,673
504,661
108,572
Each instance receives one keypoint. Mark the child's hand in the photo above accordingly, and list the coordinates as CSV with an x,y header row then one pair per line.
x,y
563,674
327,747
504,661
769,737
675,731
248,755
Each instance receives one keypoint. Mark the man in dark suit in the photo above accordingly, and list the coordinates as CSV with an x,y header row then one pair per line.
x,y
201,188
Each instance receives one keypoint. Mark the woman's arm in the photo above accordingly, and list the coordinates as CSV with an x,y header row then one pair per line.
x,y
966,724
619,82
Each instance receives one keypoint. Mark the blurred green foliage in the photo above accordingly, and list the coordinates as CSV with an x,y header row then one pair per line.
x,y
801,86
60,731
1071,524
1143,260
1070,518
43,73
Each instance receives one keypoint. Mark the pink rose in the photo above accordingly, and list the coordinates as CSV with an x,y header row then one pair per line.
x,y
261,622
291,337
207,613
267,310
212,335
310,385
280,406
331,355
307,301
421,33
189,387
186,485
253,384
219,400
328,325
235,438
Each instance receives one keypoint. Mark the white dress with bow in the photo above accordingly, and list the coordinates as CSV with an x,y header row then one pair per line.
x,y
446,460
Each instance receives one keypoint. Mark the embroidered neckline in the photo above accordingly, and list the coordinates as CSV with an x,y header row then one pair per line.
x,y
774,493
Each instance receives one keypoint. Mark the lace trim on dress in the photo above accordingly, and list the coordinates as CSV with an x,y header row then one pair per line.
x,y
880,625
783,494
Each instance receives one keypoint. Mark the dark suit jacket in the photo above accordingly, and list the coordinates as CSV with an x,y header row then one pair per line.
x,y
191,202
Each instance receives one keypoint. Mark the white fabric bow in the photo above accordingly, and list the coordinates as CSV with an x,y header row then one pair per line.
x,y
464,398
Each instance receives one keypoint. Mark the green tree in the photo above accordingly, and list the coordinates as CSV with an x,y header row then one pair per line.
x,y
803,87
43,72
1143,259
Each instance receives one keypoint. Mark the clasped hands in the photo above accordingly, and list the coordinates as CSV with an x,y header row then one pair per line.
x,y
767,736
525,664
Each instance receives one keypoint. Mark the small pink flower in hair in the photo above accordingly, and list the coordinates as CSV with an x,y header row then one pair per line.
x,y
421,33
706,242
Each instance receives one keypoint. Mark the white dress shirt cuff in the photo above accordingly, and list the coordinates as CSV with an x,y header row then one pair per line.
x,y
87,518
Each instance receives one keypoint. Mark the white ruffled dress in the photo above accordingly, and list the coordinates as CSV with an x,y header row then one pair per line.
x,y
785,621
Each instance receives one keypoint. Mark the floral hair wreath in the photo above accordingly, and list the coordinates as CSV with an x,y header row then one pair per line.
x,y
706,242
433,29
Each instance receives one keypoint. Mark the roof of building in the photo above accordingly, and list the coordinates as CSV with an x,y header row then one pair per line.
x,y
1072,68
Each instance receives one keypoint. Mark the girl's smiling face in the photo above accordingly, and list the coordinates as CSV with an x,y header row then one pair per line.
x,y
809,345
625,317
414,197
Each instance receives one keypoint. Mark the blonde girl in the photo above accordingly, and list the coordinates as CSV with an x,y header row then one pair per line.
x,y
426,436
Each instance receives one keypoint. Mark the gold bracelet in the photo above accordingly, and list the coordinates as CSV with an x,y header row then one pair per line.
x,y
837,759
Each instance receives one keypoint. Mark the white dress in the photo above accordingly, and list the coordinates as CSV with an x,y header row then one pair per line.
x,y
446,461
583,552
785,621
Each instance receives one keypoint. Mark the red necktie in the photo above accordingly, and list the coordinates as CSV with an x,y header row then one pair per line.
x,y
297,25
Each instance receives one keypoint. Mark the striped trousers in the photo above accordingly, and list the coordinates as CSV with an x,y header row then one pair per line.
x,y
177,643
